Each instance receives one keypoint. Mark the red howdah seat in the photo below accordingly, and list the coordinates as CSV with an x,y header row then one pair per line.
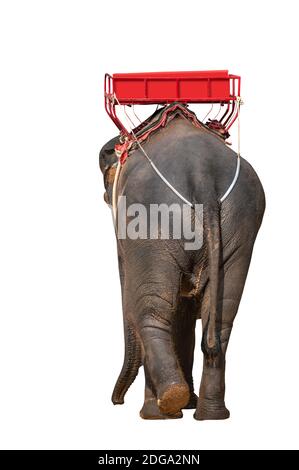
x,y
211,86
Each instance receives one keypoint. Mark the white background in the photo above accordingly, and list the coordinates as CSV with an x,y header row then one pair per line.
x,y
61,342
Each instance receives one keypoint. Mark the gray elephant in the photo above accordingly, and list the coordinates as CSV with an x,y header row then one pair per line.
x,y
166,288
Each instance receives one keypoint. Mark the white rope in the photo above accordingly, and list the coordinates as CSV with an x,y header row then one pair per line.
x,y
208,113
231,187
133,109
218,111
157,171
154,168
160,174
127,116
114,190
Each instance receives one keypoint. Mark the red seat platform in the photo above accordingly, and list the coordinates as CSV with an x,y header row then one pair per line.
x,y
165,87
212,86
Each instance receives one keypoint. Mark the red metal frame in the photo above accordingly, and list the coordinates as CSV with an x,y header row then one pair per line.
x,y
217,86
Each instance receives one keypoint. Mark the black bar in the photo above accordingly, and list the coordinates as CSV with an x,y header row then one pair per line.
x,y
133,458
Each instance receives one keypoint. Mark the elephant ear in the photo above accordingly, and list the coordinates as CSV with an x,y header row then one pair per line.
x,y
108,163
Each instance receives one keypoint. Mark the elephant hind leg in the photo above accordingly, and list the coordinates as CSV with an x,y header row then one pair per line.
x,y
211,403
150,408
132,362
154,306
184,340
169,384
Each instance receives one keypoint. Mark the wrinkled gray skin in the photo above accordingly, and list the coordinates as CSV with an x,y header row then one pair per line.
x,y
166,288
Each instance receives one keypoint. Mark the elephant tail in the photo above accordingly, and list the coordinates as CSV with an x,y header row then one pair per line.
x,y
211,341
132,362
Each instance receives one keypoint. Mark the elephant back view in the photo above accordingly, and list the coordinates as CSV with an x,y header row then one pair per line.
x,y
184,251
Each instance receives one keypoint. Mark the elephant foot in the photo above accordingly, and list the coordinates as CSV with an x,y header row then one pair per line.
x,y
150,410
211,409
192,403
173,398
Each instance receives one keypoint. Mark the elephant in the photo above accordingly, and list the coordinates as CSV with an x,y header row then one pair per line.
x,y
166,288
